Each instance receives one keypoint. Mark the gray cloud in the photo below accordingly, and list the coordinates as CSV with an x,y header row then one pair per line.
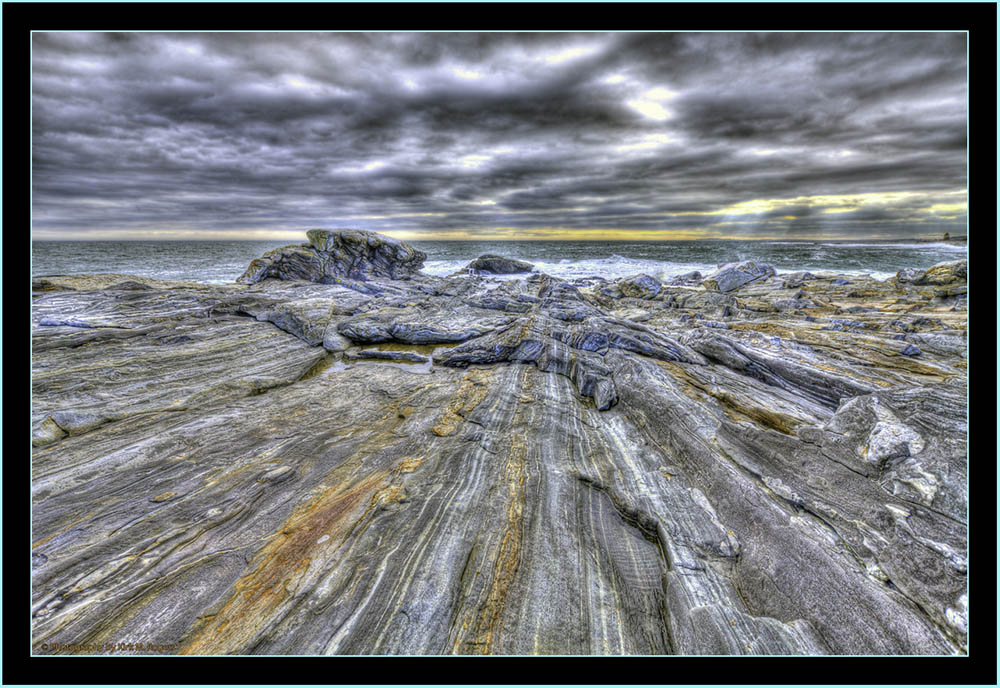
x,y
464,133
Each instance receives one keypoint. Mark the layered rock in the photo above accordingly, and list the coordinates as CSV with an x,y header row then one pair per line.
x,y
460,466
331,255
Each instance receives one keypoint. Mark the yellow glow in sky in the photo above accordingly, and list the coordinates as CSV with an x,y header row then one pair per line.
x,y
843,203
949,208
548,234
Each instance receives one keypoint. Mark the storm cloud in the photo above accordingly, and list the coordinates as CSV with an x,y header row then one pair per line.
x,y
535,135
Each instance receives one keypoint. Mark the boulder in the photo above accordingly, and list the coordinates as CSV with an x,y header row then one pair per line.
x,y
333,255
640,287
687,278
948,272
493,264
734,275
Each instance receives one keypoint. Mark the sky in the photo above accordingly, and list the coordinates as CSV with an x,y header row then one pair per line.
x,y
499,136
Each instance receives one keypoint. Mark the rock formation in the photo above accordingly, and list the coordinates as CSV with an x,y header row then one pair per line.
x,y
734,275
330,255
491,264
451,465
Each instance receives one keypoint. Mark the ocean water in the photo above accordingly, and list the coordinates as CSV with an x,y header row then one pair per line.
x,y
220,262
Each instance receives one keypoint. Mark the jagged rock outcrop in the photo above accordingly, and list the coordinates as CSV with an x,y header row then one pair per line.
x,y
331,255
460,466
492,264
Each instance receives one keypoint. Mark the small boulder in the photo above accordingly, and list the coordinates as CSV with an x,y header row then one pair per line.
x,y
734,275
947,272
795,279
792,304
333,341
909,275
639,287
687,278
493,264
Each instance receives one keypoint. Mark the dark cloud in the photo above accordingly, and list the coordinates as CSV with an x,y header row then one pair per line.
x,y
463,133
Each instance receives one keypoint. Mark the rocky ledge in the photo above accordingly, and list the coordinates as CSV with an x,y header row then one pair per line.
x,y
519,466
333,255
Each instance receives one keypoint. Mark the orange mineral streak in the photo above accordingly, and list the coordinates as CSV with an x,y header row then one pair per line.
x,y
283,563
479,634
469,395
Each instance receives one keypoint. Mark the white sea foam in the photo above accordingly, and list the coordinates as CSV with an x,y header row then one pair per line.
x,y
610,268
940,246
616,267
844,272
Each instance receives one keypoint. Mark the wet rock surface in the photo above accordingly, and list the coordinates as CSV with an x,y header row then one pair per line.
x,y
479,466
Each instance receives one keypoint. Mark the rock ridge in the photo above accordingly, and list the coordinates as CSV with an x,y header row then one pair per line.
x,y
330,255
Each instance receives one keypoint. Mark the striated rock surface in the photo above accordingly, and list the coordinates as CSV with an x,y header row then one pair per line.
x,y
354,254
439,466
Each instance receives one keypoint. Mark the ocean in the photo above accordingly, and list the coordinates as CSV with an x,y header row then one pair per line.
x,y
220,262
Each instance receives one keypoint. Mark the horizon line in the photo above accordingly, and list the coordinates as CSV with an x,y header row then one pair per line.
x,y
922,237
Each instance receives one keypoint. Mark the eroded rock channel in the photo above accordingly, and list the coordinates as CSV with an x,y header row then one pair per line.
x,y
342,455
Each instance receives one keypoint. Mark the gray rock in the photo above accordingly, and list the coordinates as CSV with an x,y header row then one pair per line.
x,y
63,322
365,330
307,319
333,341
639,287
408,356
797,279
692,277
734,275
492,264
946,273
351,254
